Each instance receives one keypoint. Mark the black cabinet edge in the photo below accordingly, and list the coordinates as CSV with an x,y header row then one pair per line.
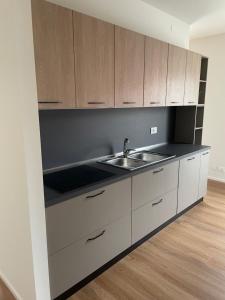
x,y
120,256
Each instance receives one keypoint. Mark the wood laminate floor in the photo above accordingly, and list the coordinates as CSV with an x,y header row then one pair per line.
x,y
186,260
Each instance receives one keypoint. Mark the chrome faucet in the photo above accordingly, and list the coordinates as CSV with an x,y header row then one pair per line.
x,y
126,151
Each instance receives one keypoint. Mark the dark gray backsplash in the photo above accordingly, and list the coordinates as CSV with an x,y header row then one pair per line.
x,y
69,136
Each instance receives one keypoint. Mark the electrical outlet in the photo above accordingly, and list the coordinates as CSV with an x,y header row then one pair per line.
x,y
153,130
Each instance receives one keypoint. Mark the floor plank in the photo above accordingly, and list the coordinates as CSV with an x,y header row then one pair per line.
x,y
5,294
186,260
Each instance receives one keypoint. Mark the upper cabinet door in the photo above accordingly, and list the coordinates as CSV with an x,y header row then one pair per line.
x,y
94,60
156,59
54,55
192,78
176,76
129,68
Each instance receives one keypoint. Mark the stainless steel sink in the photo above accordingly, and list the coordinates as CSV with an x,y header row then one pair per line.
x,y
150,157
126,163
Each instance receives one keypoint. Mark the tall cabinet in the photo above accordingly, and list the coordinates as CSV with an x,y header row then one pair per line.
x,y
129,68
94,60
54,55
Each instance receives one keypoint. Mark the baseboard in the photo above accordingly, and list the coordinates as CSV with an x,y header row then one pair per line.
x,y
105,267
10,287
214,183
216,179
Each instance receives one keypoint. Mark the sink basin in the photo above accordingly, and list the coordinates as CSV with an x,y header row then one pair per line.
x,y
126,163
150,157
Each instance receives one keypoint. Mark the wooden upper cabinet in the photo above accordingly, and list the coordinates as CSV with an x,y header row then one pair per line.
x,y
176,76
192,78
156,58
94,61
54,55
129,68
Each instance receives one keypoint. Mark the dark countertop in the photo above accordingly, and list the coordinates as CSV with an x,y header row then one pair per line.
x,y
53,197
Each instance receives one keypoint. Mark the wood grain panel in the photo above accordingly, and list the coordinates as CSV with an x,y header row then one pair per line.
x,y
54,55
94,56
176,76
192,78
156,57
129,68
185,260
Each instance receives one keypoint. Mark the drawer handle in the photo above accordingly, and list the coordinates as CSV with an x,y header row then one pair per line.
x,y
190,102
129,102
174,102
95,237
155,102
191,158
93,196
96,102
156,203
158,171
205,153
49,102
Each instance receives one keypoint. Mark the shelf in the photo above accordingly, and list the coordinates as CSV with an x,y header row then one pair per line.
x,y
198,137
200,105
198,128
202,80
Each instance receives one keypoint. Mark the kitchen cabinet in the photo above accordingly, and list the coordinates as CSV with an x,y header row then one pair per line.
x,y
73,219
150,216
94,60
192,78
188,181
176,76
203,174
156,59
54,55
80,259
129,68
149,185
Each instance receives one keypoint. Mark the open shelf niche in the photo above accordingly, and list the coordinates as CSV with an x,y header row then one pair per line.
x,y
189,119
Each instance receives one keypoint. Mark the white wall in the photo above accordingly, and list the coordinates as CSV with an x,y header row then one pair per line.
x,y
214,120
23,247
135,15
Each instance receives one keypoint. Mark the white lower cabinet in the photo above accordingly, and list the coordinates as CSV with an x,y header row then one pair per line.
x,y
150,216
188,181
203,174
74,263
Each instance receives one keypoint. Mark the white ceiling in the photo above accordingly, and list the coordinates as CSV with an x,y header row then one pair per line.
x,y
206,17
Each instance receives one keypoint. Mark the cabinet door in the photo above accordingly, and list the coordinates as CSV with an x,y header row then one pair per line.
x,y
75,262
54,55
192,78
94,60
150,216
156,57
176,76
203,177
188,181
129,68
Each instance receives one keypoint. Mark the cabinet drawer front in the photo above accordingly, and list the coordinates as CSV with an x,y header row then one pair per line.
x,y
74,263
188,181
71,220
148,217
150,185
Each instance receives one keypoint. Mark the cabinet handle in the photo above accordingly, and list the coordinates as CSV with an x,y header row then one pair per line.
x,y
205,153
95,102
192,158
174,102
156,203
49,102
95,237
129,102
93,196
191,102
158,171
155,102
